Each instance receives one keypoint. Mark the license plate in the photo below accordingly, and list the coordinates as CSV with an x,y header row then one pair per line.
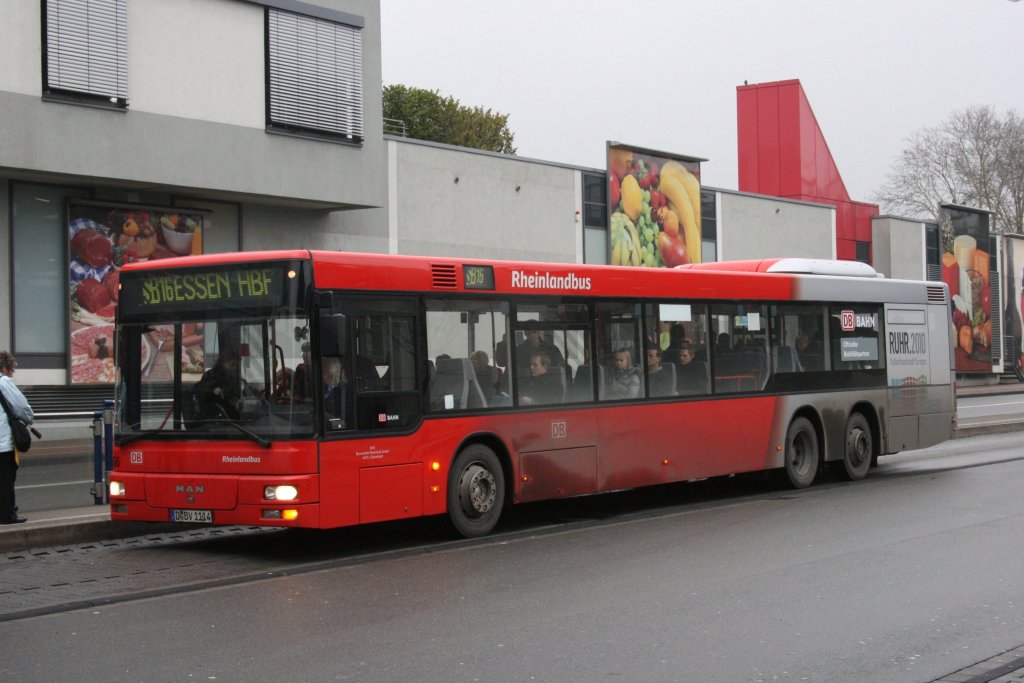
x,y
197,516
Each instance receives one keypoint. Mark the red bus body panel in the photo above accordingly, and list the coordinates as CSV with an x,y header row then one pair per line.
x,y
554,454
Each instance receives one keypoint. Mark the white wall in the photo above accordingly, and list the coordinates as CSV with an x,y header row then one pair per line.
x,y
758,226
898,247
480,216
170,43
20,60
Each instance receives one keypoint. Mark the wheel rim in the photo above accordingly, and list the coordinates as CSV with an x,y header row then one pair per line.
x,y
858,447
800,454
477,490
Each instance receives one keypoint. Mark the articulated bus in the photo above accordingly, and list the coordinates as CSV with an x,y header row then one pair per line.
x,y
325,389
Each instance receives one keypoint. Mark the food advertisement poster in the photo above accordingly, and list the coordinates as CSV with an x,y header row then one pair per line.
x,y
101,240
1013,306
965,269
654,208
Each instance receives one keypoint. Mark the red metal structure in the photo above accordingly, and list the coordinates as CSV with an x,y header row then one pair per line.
x,y
325,389
783,153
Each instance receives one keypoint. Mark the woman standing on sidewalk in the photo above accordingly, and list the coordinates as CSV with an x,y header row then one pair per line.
x,y
8,464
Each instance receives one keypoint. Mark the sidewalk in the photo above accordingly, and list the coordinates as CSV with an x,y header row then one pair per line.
x,y
87,524
71,526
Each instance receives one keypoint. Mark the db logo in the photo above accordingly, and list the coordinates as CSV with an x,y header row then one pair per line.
x,y
847,321
382,417
558,429
136,457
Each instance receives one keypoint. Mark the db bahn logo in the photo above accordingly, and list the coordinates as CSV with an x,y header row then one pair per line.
x,y
848,321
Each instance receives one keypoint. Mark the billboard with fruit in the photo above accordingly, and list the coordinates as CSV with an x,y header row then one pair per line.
x,y
965,268
654,208
1013,306
101,239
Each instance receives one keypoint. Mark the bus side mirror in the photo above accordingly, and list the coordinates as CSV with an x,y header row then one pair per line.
x,y
325,300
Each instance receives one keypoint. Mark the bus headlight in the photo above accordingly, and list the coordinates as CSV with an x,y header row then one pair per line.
x,y
116,489
280,493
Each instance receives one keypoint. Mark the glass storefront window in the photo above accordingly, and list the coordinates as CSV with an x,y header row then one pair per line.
x,y
39,277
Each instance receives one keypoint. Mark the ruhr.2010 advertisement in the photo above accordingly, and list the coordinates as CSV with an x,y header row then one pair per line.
x,y
653,208
101,240
965,269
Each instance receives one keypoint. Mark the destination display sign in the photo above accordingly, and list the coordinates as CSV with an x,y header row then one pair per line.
x,y
477,277
247,287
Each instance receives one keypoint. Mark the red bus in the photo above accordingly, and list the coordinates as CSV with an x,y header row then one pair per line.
x,y
325,389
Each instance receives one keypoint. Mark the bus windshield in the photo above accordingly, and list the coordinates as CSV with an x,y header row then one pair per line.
x,y
200,356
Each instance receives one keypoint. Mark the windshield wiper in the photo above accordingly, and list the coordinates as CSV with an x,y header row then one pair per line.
x,y
258,438
123,439
261,440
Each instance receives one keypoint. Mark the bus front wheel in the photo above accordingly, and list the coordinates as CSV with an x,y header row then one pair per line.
x,y
802,454
476,491
859,452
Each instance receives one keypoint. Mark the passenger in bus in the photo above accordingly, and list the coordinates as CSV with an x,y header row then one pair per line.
x,y
283,384
486,374
810,351
302,378
723,345
660,378
334,389
691,374
535,343
625,380
676,337
217,392
544,385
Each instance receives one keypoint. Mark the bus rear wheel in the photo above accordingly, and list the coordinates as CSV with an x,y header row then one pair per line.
x,y
476,491
859,453
802,454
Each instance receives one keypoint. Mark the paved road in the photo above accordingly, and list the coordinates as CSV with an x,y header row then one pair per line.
x,y
910,575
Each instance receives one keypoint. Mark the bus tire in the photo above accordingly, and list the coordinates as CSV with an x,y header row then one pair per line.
x,y
802,454
476,491
859,453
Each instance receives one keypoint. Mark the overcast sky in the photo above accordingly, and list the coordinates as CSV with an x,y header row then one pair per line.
x,y
572,74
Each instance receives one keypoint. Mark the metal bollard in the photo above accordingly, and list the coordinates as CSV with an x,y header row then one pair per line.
x,y
108,446
99,493
108,434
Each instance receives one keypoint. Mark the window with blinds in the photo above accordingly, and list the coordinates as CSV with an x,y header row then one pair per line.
x,y
314,76
85,57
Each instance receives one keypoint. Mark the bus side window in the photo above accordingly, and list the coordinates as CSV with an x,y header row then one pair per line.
x,y
467,345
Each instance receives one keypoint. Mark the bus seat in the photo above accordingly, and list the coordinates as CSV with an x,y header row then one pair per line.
x,y
452,379
663,383
582,386
560,371
489,379
786,359
475,397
